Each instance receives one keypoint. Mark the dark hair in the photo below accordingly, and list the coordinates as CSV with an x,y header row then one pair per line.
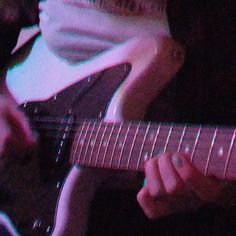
x,y
14,14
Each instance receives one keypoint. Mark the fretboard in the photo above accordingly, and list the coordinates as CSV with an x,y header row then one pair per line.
x,y
126,146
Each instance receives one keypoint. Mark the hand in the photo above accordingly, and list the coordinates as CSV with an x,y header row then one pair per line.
x,y
16,136
174,185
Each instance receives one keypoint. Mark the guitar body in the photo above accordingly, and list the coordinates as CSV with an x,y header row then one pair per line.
x,y
113,91
37,192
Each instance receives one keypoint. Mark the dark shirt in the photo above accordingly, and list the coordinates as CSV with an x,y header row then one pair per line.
x,y
14,14
203,92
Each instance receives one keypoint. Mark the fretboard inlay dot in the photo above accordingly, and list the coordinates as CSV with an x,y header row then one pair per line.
x,y
146,156
120,144
104,143
81,142
186,149
152,137
221,151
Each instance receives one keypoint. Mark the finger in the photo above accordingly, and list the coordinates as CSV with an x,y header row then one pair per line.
x,y
153,179
205,187
153,209
20,125
172,181
5,134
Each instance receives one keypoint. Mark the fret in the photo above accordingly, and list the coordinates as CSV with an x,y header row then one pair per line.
x,y
155,140
100,143
201,152
175,139
77,143
229,154
168,139
115,144
210,151
108,143
84,136
181,139
219,152
123,145
195,143
89,141
132,146
128,146
83,141
142,145
95,141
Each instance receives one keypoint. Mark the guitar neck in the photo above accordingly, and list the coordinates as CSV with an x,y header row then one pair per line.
x,y
127,145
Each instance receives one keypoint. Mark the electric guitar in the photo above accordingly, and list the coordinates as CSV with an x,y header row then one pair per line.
x,y
56,97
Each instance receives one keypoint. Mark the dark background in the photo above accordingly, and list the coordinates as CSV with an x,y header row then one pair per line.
x,y
202,92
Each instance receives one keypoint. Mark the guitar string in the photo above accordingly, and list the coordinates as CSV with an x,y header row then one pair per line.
x,y
52,125
137,128
193,129
86,132
115,144
181,138
95,141
132,144
142,146
168,138
192,134
175,146
172,145
229,154
77,142
123,145
100,144
196,143
210,151
89,141
108,142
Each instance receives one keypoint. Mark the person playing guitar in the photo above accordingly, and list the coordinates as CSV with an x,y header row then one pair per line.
x,y
80,32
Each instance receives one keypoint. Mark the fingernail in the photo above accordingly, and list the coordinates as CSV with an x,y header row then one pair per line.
x,y
177,161
145,182
35,135
160,153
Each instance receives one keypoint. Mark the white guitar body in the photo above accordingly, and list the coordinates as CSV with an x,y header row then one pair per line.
x,y
41,75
